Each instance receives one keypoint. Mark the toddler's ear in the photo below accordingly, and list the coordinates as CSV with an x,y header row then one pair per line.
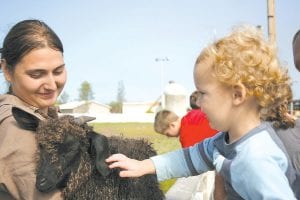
x,y
174,124
239,93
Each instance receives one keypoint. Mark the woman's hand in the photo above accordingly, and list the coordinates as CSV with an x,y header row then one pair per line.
x,y
130,167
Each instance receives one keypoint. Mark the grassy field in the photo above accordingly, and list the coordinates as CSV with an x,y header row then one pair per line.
x,y
160,143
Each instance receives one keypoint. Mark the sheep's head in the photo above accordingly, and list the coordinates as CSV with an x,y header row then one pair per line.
x,y
61,143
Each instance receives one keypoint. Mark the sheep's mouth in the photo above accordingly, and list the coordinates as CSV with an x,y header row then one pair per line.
x,y
44,186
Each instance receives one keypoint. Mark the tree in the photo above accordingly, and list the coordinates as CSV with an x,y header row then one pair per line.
x,y
85,91
117,106
63,98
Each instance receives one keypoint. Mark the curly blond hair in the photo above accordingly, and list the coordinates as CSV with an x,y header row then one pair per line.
x,y
246,57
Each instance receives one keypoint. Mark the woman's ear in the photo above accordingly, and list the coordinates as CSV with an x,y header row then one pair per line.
x,y
239,93
6,72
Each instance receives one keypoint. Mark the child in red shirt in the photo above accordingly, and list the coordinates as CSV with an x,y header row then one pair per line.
x,y
191,128
194,127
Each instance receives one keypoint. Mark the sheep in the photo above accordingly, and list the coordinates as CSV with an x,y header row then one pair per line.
x,y
71,158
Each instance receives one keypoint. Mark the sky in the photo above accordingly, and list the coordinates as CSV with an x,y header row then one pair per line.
x,y
146,43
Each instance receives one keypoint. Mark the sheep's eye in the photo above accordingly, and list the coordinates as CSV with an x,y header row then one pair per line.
x,y
55,144
63,156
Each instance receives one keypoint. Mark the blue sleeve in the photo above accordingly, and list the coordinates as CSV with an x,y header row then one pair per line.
x,y
262,184
184,162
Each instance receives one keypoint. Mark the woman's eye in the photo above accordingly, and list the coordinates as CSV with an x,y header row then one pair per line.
x,y
58,72
36,75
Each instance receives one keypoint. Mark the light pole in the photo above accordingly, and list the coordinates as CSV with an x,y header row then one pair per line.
x,y
271,20
162,61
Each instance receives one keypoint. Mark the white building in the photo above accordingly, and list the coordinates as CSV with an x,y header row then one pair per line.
x,y
87,107
139,107
175,98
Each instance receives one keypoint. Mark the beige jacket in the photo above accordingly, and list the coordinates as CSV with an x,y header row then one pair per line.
x,y
17,155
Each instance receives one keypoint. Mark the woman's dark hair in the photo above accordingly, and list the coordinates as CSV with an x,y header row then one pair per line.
x,y
26,36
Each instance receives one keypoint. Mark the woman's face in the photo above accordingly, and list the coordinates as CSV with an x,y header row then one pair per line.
x,y
39,77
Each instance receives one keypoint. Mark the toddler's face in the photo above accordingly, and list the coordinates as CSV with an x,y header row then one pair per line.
x,y
215,99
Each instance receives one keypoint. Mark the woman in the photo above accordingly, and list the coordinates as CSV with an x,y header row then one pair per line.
x,y
33,65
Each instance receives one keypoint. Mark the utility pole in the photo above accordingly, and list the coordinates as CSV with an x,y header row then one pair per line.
x,y
271,21
162,61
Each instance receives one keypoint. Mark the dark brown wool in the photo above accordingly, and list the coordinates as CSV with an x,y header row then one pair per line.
x,y
85,182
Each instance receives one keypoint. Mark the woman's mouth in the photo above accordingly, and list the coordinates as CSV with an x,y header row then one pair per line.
x,y
47,95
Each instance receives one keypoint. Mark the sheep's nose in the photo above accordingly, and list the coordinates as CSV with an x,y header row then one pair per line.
x,y
42,182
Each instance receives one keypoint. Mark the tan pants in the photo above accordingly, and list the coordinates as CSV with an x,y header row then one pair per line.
x,y
193,188
205,187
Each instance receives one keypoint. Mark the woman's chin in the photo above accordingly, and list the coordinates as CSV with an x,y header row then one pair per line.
x,y
46,103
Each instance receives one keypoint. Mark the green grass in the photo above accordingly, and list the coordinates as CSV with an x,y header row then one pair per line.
x,y
160,142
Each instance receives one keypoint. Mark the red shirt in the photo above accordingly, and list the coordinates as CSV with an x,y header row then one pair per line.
x,y
194,128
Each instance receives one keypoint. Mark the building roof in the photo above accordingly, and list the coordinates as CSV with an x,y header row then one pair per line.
x,y
75,104
138,103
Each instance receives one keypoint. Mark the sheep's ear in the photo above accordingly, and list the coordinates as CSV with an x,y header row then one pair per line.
x,y
24,119
99,148
84,119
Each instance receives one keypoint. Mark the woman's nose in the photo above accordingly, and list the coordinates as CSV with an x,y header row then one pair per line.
x,y
50,83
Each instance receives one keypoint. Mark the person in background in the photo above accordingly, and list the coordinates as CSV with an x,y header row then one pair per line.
x,y
194,99
33,65
291,136
239,77
293,141
296,49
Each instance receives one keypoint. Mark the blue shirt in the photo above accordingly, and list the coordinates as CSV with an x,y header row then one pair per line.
x,y
254,167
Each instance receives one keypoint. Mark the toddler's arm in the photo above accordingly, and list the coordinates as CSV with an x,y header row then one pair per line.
x,y
174,164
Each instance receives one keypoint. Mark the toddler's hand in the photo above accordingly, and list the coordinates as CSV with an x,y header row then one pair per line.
x,y
130,167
